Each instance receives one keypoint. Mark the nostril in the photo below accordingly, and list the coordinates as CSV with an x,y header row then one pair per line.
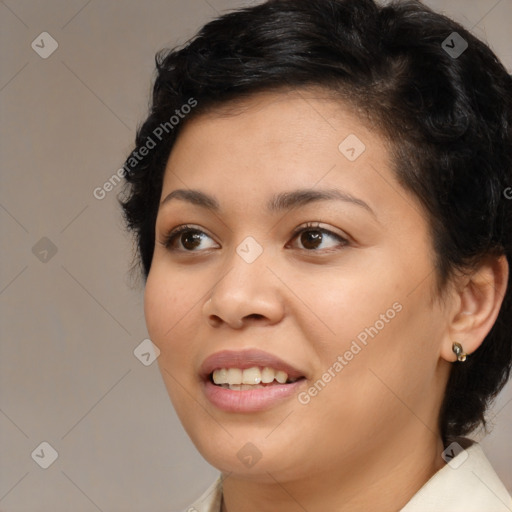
x,y
215,320
256,316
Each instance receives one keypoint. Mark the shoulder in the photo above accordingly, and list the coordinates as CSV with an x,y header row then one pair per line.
x,y
467,483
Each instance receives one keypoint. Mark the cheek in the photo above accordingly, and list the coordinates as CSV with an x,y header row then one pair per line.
x,y
374,322
389,348
345,304
168,299
167,302
156,303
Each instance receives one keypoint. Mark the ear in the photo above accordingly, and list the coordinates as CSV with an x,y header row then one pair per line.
x,y
479,298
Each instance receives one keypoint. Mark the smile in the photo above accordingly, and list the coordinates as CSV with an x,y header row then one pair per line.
x,y
249,381
250,378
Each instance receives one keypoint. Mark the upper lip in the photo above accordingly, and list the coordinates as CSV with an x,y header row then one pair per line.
x,y
244,359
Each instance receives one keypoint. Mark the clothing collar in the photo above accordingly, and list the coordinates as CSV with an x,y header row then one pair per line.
x,y
467,483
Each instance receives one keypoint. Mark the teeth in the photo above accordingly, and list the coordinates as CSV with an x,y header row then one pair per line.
x,y
249,378
281,377
234,376
241,387
267,375
220,376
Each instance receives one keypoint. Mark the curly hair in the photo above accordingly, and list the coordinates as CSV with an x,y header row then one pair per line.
x,y
447,116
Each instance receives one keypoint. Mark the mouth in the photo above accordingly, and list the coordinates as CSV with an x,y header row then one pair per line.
x,y
249,380
237,379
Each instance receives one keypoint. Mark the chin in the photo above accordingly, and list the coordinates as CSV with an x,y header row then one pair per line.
x,y
253,460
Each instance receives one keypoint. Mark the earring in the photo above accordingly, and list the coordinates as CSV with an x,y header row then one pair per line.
x,y
457,350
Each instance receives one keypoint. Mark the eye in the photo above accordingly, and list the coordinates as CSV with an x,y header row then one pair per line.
x,y
187,236
313,236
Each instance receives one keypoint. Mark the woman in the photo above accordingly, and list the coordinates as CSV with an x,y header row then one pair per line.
x,y
319,199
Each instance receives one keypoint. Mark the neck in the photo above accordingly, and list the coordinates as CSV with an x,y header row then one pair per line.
x,y
384,480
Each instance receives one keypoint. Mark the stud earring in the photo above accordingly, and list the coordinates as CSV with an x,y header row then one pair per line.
x,y
457,350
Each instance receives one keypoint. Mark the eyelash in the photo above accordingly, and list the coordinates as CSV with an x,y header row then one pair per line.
x,y
310,226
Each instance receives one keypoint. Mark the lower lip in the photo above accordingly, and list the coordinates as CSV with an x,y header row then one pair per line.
x,y
251,400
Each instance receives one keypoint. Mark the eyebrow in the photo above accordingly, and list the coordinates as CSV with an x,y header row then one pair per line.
x,y
276,204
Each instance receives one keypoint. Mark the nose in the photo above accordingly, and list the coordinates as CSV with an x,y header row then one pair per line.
x,y
248,293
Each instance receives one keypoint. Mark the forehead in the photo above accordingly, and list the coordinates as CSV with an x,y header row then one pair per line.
x,y
276,137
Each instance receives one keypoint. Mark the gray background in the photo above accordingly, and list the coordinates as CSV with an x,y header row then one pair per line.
x,y
71,320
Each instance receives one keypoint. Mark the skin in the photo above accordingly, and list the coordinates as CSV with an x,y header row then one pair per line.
x,y
369,440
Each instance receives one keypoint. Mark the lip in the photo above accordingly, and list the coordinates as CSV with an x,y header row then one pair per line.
x,y
251,400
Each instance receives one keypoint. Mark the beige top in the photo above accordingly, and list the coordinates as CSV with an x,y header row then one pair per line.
x,y
467,484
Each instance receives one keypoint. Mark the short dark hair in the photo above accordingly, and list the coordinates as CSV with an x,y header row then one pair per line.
x,y
447,117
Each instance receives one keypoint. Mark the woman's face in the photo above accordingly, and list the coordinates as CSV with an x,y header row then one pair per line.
x,y
302,250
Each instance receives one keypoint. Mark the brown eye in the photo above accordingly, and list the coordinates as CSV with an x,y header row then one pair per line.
x,y
185,239
312,237
190,240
